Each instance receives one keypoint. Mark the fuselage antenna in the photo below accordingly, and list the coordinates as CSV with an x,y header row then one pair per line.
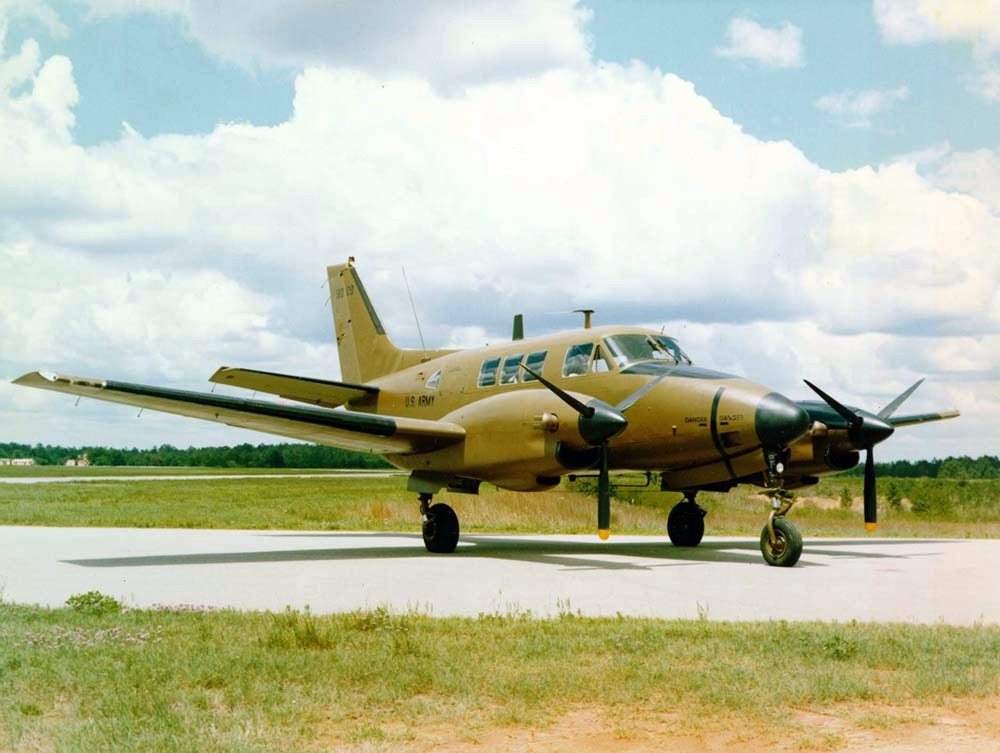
x,y
416,319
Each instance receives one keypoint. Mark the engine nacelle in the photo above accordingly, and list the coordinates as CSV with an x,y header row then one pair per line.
x,y
822,451
512,440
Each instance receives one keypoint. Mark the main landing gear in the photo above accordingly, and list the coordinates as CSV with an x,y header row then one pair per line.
x,y
440,527
686,522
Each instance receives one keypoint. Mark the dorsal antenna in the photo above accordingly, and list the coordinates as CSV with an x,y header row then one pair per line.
x,y
587,313
416,318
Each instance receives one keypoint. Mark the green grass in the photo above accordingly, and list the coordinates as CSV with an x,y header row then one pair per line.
x,y
176,680
952,509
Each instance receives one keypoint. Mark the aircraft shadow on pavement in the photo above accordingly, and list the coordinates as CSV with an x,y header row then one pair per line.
x,y
577,555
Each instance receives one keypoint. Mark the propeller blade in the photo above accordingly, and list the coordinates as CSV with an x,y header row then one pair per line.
x,y
604,496
852,418
871,505
584,410
891,407
640,393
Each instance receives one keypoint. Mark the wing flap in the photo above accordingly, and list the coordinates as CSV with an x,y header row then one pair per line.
x,y
350,430
301,389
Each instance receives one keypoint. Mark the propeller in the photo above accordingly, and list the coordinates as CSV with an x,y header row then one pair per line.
x,y
865,430
599,423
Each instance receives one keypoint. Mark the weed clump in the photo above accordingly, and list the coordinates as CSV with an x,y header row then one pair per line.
x,y
94,603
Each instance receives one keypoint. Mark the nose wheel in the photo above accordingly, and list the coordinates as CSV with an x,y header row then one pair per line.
x,y
780,540
781,543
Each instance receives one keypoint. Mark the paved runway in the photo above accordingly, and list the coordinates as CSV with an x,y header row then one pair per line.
x,y
882,580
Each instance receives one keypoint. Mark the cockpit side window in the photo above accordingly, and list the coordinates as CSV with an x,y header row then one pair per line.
x,y
636,348
511,369
434,381
577,360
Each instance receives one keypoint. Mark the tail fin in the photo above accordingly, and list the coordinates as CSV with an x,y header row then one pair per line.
x,y
366,352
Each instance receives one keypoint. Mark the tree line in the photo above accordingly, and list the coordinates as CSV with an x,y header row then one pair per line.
x,y
319,456
985,466
240,456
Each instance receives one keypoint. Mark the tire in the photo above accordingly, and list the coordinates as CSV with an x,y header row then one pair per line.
x,y
440,529
686,524
785,552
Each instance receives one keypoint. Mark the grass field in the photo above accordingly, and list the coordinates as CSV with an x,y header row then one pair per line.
x,y
175,680
93,678
927,508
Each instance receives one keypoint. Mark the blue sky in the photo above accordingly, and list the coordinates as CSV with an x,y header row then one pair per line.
x,y
146,69
797,190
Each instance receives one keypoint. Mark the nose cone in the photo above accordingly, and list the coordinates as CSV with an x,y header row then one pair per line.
x,y
779,422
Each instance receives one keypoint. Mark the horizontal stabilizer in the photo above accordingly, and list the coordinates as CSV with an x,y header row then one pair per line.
x,y
301,389
351,430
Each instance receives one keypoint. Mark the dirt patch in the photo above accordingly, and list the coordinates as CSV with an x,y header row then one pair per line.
x,y
957,726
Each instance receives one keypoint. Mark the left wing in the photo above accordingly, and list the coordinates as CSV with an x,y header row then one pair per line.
x,y
351,430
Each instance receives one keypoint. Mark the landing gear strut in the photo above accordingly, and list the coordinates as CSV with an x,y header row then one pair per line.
x,y
440,526
780,540
686,522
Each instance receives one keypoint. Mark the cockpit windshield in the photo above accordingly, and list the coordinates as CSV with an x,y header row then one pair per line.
x,y
635,348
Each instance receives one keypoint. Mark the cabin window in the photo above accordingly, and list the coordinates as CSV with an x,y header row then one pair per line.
x,y
488,372
511,368
577,360
535,362
434,381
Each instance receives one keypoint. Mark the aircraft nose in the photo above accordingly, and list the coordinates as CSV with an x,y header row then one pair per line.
x,y
779,422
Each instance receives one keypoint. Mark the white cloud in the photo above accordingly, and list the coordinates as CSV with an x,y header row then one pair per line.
x,y
917,21
772,48
34,10
857,108
614,187
447,42
973,21
974,173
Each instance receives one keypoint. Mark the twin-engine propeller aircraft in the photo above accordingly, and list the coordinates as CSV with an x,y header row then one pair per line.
x,y
523,414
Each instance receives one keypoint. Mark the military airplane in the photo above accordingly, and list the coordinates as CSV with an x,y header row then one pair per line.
x,y
523,414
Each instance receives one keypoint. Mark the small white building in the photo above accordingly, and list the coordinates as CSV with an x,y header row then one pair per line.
x,y
17,461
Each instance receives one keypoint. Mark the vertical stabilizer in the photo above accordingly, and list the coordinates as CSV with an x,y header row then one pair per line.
x,y
366,352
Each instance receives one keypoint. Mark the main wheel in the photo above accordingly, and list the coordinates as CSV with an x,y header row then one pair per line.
x,y
440,529
686,524
786,549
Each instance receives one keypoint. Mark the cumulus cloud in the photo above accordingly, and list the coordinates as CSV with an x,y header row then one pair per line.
x,y
613,187
857,109
771,48
446,42
922,21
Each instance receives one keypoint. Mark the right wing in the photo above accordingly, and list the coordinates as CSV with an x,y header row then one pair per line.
x,y
301,389
351,430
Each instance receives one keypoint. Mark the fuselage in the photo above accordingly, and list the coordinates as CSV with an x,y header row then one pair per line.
x,y
696,426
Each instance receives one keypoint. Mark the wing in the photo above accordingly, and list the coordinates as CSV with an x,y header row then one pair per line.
x,y
300,389
922,418
339,428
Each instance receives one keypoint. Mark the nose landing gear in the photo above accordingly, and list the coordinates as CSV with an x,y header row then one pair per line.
x,y
780,540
